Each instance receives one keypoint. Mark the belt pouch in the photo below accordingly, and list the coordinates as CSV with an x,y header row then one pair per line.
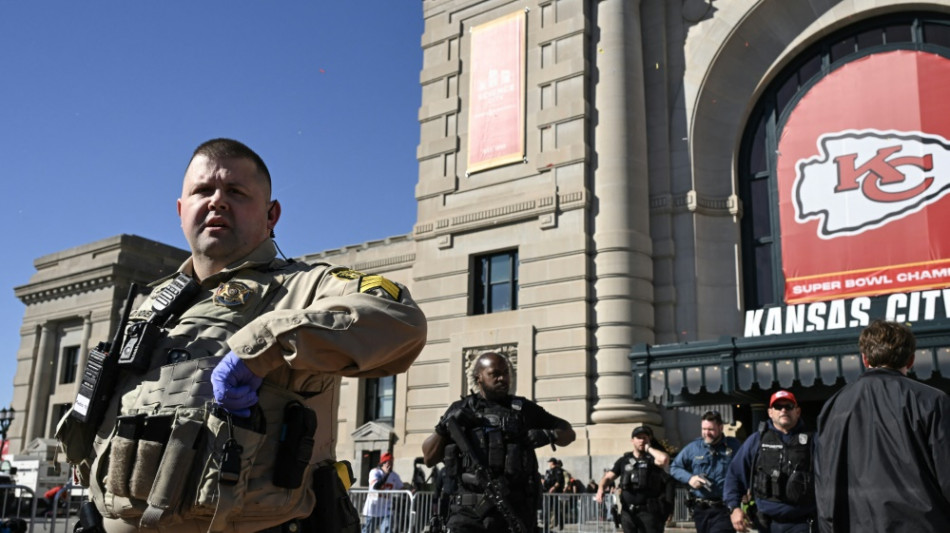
x,y
496,451
513,460
175,466
224,462
296,445
122,457
148,454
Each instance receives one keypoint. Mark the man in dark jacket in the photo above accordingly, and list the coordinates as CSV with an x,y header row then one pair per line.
x,y
883,463
776,464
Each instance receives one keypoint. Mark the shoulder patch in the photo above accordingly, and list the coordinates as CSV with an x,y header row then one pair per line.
x,y
369,283
347,273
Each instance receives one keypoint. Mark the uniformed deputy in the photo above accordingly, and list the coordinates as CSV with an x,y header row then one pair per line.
x,y
645,502
702,465
487,442
191,439
776,463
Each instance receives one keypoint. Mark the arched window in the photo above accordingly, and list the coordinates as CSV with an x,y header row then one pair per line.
x,y
763,279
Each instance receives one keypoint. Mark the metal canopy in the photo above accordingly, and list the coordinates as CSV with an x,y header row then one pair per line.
x,y
730,368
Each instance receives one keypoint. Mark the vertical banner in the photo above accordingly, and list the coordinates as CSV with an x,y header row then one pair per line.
x,y
863,172
496,93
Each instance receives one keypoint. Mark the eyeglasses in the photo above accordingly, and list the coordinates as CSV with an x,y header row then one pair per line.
x,y
784,407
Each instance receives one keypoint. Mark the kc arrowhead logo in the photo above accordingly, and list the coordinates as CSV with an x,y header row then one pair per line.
x,y
865,179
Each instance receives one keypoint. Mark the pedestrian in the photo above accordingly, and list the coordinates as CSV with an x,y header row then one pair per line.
x,y
702,465
554,483
487,441
226,369
378,508
773,468
645,502
883,459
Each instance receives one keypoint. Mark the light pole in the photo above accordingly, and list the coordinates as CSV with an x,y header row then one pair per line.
x,y
6,417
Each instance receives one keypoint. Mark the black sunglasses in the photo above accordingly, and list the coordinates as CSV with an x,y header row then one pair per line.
x,y
784,407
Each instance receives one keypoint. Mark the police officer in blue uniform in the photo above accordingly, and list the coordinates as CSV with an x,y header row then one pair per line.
x,y
702,465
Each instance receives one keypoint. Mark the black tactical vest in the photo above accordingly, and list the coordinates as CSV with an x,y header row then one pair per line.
x,y
500,439
783,472
641,479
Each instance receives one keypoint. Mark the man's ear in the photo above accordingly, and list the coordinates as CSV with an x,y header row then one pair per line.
x,y
864,359
273,215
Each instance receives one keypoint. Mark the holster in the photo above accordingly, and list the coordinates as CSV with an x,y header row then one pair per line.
x,y
334,511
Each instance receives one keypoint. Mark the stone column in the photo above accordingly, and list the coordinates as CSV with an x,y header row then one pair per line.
x,y
39,387
623,286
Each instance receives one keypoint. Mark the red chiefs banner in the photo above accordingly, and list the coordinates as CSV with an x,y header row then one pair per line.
x,y
863,174
496,93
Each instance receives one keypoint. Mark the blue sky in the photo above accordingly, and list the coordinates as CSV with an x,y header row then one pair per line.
x,y
102,102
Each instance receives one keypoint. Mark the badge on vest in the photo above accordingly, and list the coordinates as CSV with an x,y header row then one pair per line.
x,y
802,438
231,294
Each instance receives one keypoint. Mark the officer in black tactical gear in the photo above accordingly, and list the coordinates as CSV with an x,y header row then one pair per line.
x,y
646,489
774,469
487,442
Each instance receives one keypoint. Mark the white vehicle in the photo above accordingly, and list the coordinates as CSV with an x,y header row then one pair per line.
x,y
38,468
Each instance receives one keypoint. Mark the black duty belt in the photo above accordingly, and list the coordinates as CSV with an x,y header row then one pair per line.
x,y
637,507
704,503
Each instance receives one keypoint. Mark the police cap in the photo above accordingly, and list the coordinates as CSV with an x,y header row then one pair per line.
x,y
640,430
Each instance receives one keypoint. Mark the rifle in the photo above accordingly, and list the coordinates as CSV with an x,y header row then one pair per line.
x,y
492,489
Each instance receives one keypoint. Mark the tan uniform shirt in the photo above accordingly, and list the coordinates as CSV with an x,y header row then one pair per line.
x,y
302,327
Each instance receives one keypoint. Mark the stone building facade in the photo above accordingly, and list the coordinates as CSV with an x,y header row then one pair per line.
x,y
620,216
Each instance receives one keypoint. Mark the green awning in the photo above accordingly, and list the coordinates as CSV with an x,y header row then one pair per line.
x,y
731,367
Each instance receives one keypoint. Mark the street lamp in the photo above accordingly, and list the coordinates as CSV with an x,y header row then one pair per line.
x,y
6,417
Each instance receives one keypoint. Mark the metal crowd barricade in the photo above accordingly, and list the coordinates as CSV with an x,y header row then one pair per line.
x,y
41,516
581,512
16,505
65,510
408,514
576,512
411,511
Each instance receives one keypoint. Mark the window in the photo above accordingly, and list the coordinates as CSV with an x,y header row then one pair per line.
x,y
69,364
380,399
763,281
495,283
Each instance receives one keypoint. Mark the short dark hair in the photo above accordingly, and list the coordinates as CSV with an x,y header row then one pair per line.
x,y
713,416
477,363
222,148
888,344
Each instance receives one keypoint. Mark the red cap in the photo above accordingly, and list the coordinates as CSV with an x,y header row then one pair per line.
x,y
385,458
783,395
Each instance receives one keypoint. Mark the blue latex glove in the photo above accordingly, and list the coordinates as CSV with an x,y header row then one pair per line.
x,y
235,386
